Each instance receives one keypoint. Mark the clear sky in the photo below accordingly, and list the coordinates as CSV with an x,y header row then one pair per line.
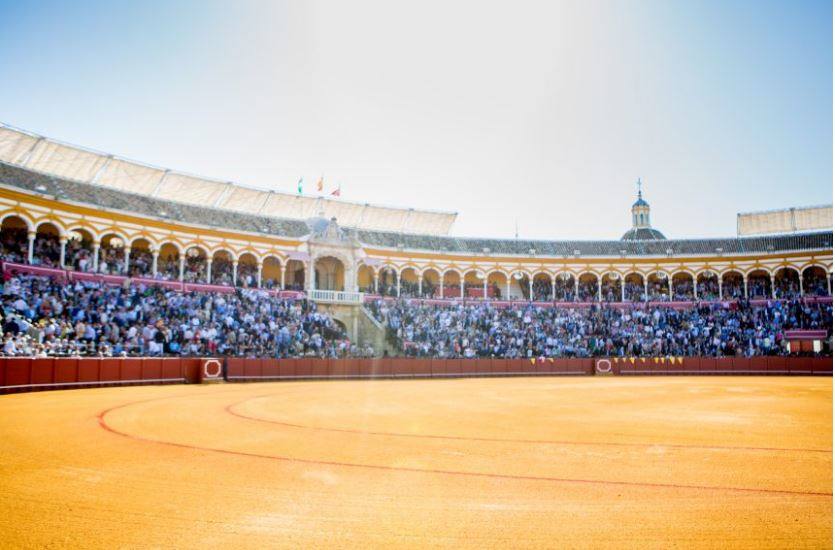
x,y
545,112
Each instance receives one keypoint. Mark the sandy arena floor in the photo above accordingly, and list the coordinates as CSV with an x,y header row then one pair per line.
x,y
535,462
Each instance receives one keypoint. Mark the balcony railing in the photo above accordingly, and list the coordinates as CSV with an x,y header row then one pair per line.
x,y
336,296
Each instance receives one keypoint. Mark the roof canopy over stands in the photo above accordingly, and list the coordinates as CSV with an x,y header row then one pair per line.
x,y
47,156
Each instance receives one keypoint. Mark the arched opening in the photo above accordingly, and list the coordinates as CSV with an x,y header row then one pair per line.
x,y
168,262
141,260
294,275
518,286
707,284
682,286
565,287
658,287
409,282
112,255
452,284
474,284
79,251
330,274
732,285
222,268
787,283
47,247
195,266
387,281
431,283
247,270
271,273
587,287
496,285
542,287
14,236
633,288
611,291
365,279
815,281
759,284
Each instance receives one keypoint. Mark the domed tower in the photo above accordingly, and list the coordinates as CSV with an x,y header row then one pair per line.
x,y
641,228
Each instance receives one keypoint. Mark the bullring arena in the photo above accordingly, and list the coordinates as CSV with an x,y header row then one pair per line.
x,y
526,462
247,368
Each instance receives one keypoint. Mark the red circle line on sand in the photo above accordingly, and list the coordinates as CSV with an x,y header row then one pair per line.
x,y
103,423
230,409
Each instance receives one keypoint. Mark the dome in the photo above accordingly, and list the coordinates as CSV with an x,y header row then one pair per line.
x,y
643,234
640,202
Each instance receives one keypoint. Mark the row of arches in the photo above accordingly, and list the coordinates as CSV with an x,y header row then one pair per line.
x,y
77,247
785,282
110,253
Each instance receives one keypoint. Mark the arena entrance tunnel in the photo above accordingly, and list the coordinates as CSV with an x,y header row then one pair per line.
x,y
34,374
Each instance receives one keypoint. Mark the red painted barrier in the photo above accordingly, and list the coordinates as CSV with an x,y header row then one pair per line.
x,y
18,373
42,371
151,368
89,370
131,369
303,367
319,367
66,370
190,368
252,368
171,368
109,369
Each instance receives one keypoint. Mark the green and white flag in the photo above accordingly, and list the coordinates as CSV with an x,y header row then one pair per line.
x,y
300,185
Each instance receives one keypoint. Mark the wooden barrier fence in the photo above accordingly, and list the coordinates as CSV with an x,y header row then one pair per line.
x,y
31,374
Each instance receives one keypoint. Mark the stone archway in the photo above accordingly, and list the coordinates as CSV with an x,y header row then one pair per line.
x,y
329,273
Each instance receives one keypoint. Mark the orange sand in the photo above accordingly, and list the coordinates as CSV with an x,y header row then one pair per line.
x,y
524,462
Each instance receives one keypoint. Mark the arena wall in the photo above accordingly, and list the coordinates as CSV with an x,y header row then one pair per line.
x,y
34,374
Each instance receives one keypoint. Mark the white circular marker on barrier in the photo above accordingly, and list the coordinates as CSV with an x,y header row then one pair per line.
x,y
599,366
215,374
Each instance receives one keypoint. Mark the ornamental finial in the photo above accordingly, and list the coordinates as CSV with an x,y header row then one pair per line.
x,y
639,188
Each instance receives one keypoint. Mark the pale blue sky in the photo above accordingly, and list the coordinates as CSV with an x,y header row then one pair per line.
x,y
542,111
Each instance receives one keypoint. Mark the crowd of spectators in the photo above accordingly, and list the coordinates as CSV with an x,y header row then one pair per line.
x,y
484,330
49,317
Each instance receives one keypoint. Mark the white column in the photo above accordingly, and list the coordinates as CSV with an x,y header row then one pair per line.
x,y
577,289
554,288
441,283
622,289
63,241
258,281
670,286
31,250
127,260
397,274
773,290
719,278
507,295
745,285
283,271
800,279
646,288
208,271
235,273
695,287
461,285
530,288
420,285
182,267
154,260
600,288
96,247
376,282
485,287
